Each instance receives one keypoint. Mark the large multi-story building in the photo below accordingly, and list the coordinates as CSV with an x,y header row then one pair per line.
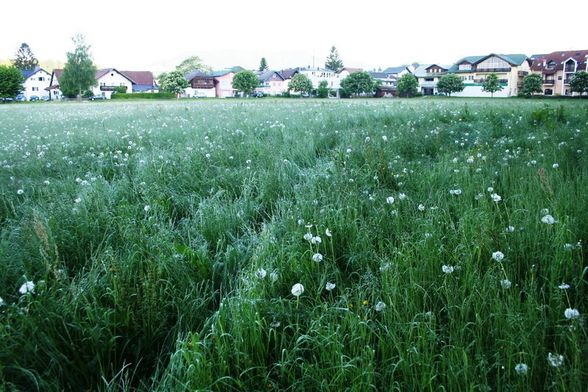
x,y
428,76
473,70
558,68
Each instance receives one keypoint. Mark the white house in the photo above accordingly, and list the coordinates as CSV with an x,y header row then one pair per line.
x,y
36,81
109,80
271,83
317,75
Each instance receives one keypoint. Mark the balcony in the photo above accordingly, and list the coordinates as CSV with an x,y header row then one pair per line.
x,y
567,80
549,81
492,70
108,88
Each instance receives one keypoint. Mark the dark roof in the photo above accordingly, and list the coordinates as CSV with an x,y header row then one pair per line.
x,y
381,75
539,63
143,87
350,70
267,75
288,73
395,70
27,73
101,72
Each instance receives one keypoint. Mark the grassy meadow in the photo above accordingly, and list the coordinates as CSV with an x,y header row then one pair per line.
x,y
290,245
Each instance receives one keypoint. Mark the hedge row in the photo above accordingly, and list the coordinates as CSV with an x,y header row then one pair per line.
x,y
143,96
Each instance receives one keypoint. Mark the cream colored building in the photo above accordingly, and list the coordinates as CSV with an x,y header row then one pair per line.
x,y
473,70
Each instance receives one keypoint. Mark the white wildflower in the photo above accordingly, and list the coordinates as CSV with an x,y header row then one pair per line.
x,y
19,192
308,237
379,306
521,368
27,287
147,208
555,360
495,197
330,286
498,255
328,232
505,283
317,257
448,269
316,240
421,207
564,286
571,313
390,200
297,290
261,273
402,196
548,219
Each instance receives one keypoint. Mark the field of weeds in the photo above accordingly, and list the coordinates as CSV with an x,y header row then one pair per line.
x,y
294,245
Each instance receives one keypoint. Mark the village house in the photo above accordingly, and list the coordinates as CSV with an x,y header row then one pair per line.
x,y
473,70
558,68
397,72
108,81
386,84
271,83
287,75
428,76
35,83
317,75
202,85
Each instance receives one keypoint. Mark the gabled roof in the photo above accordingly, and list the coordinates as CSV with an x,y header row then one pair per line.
x,y
421,70
382,75
512,59
539,64
350,70
395,70
101,72
140,77
288,73
27,73
267,75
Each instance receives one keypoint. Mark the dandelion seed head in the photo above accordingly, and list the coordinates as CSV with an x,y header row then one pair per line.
x,y
521,368
297,290
27,287
379,306
330,286
498,256
571,314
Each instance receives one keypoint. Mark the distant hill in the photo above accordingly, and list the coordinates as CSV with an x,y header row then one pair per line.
x,y
47,65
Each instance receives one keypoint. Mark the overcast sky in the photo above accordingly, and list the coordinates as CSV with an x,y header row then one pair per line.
x,y
157,35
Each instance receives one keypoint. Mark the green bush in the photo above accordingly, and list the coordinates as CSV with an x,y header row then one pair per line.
x,y
144,96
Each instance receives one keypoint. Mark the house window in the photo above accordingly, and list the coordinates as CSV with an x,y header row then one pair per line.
x,y
548,91
35,88
41,79
465,66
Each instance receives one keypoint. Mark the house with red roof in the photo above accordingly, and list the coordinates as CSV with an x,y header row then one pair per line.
x,y
108,81
558,68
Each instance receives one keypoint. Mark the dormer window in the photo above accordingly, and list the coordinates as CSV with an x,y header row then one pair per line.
x,y
550,65
465,67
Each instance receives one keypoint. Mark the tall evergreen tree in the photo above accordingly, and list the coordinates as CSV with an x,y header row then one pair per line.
x,y
25,59
79,73
263,65
333,61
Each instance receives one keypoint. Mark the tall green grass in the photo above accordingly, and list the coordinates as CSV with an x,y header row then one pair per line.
x,y
164,238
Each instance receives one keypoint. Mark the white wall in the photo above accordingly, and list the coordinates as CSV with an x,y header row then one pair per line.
x,y
476,91
112,78
36,84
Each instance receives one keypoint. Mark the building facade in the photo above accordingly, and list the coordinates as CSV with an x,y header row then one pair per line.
x,y
473,70
428,76
558,68
36,82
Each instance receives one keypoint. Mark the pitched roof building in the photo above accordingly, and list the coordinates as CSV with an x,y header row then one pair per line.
x,y
558,68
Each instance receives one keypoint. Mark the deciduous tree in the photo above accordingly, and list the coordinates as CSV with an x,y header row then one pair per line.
x,y
359,83
491,84
323,89
10,81
449,84
407,85
245,81
532,83
300,83
579,82
173,82
193,63
79,73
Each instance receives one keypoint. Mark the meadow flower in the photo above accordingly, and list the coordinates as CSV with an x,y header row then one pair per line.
x,y
548,219
448,269
316,240
379,306
385,138
1,302
555,165
27,287
505,283
261,273
510,229
455,192
402,196
564,286
317,257
544,211
555,360
521,368
421,207
308,237
274,276
490,189
19,192
147,208
330,286
495,197
348,151
498,256
77,200
297,290
328,232
390,200
275,324
571,313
